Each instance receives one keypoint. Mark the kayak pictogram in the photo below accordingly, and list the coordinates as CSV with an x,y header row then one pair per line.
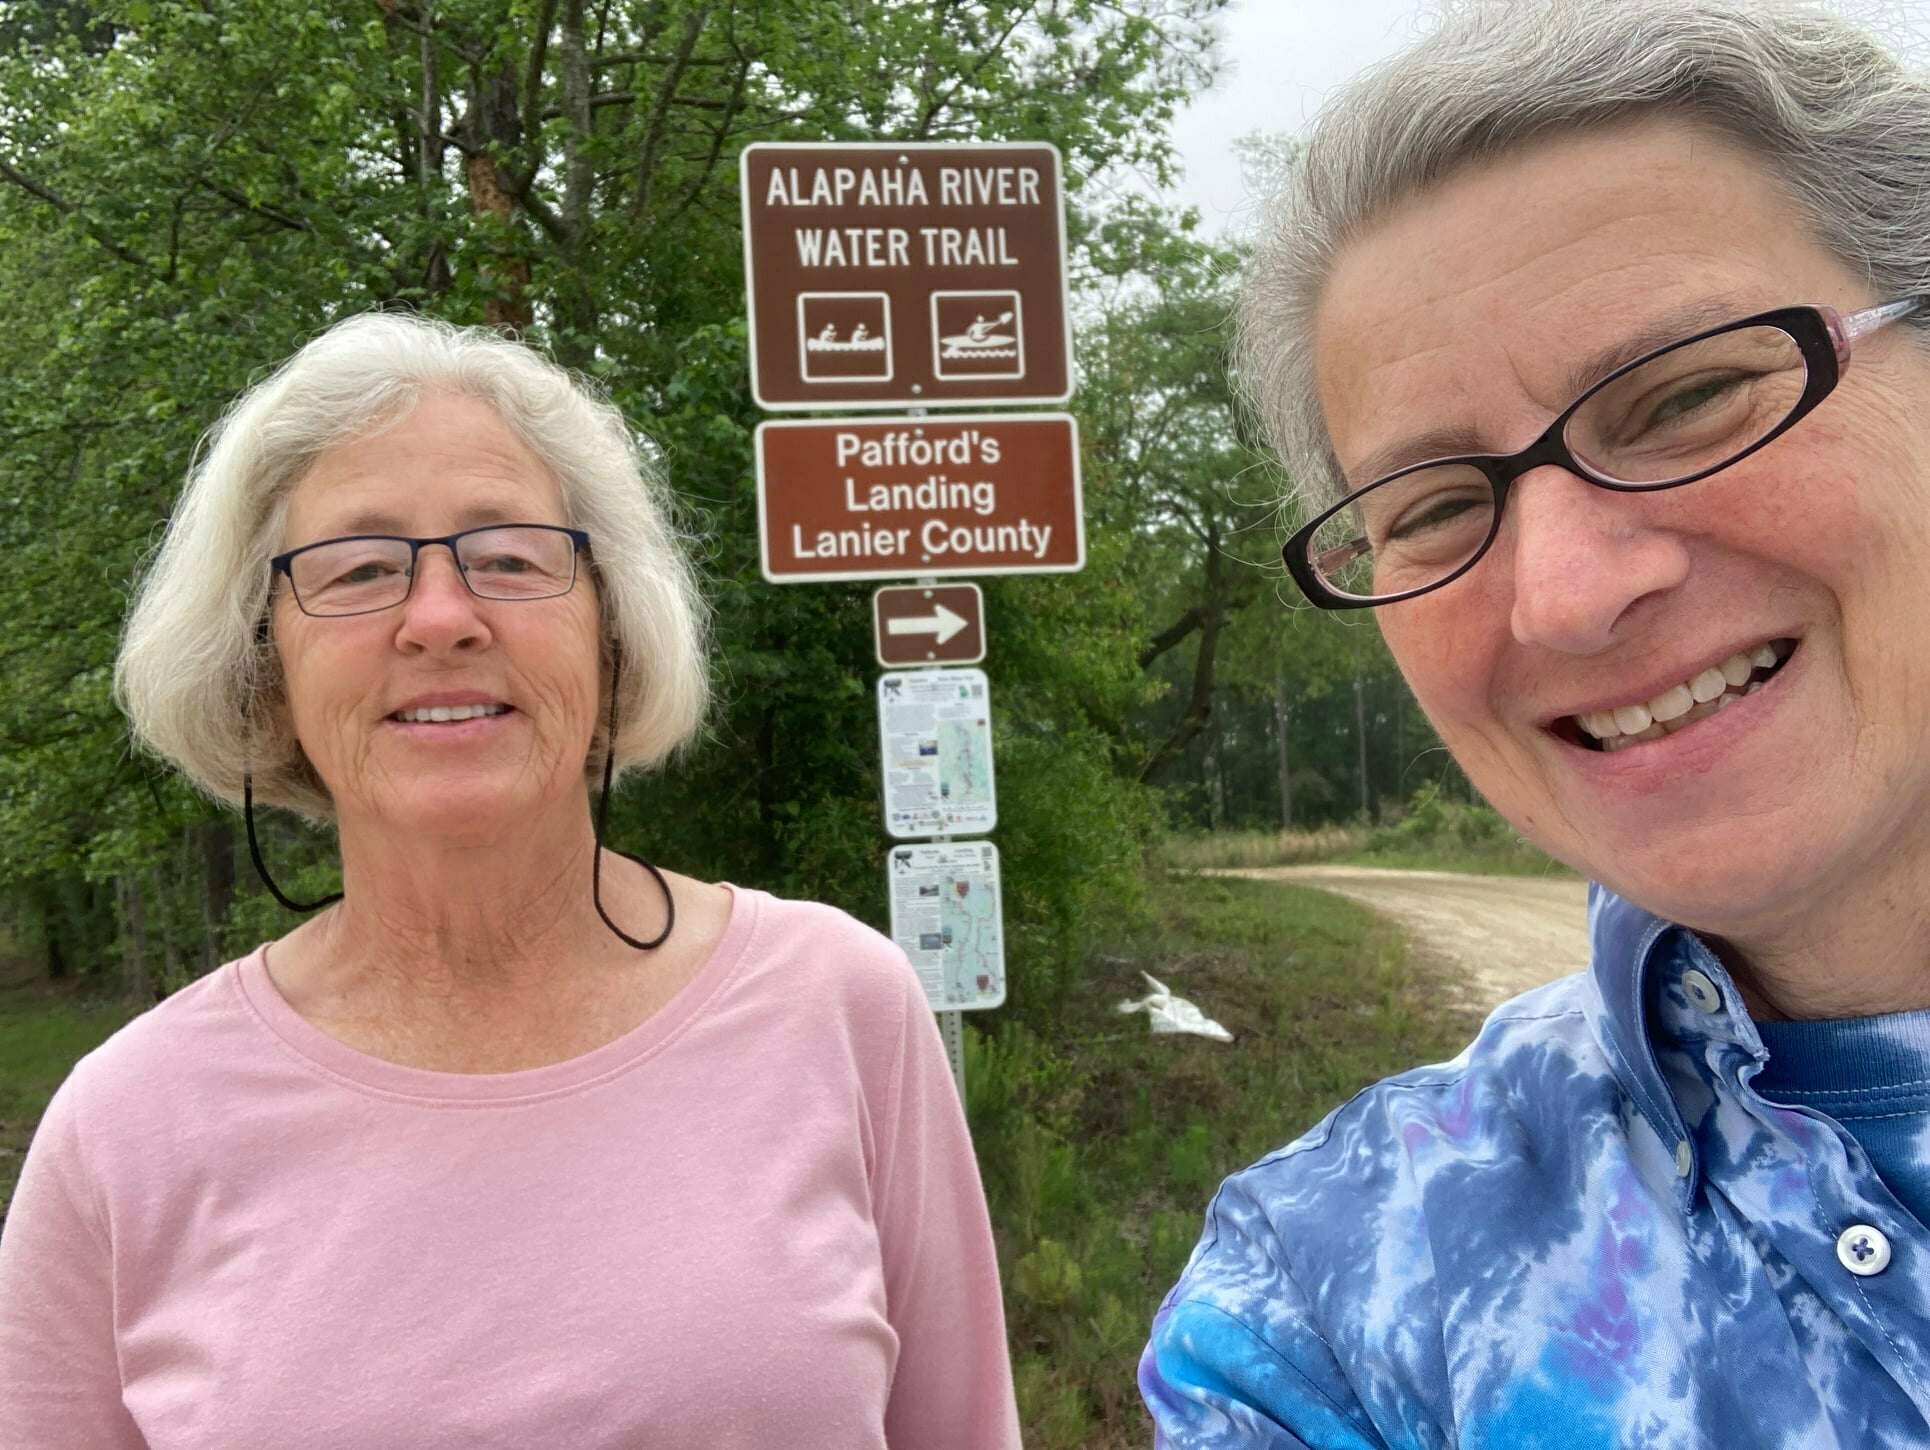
x,y
982,339
977,335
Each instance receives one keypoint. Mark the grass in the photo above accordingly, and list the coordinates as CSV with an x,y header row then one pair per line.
x,y
1101,1144
1515,859
1429,834
43,1032
1225,850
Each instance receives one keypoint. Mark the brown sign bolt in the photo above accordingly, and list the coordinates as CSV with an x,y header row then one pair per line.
x,y
929,624
857,498
885,276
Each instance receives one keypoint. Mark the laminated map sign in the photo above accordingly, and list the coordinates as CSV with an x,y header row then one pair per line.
x,y
946,915
936,729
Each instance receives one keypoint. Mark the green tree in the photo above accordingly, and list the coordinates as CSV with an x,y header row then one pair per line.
x,y
188,191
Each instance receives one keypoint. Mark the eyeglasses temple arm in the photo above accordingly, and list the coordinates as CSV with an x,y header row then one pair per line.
x,y
1844,331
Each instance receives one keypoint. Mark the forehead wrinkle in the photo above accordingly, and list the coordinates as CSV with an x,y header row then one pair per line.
x,y
1574,376
470,516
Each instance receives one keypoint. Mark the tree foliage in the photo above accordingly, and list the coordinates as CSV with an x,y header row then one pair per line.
x,y
188,191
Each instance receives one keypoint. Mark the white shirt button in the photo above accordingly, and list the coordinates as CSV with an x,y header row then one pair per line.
x,y
1863,1250
1684,1159
1701,990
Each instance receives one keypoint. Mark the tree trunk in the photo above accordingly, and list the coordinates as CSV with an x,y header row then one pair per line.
x,y
494,130
171,976
1215,781
1199,700
1360,740
1400,739
767,787
1282,714
217,889
134,970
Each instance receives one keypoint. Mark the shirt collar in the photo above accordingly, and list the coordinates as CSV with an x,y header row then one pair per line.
x,y
1629,947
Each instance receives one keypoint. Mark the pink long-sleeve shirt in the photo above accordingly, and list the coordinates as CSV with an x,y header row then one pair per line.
x,y
753,1221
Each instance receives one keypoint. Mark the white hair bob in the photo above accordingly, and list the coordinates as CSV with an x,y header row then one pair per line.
x,y
1835,119
196,674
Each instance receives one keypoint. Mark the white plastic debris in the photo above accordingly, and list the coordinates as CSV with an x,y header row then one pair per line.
x,y
1168,1013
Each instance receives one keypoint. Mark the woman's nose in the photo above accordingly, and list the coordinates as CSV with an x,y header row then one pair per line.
x,y
440,610
1581,557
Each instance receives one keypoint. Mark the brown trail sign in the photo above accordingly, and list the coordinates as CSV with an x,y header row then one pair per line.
x,y
885,276
985,493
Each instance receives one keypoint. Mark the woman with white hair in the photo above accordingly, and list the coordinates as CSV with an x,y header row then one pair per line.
x,y
520,1142
1593,337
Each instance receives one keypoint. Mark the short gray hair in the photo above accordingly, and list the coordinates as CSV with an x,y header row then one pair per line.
x,y
1837,120
196,674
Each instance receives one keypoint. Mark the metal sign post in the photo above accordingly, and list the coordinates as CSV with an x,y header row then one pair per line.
x,y
951,1027
915,276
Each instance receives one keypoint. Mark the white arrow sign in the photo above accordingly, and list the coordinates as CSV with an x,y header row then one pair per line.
x,y
941,621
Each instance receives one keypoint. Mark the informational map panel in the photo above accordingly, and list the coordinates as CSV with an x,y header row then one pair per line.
x,y
946,914
936,728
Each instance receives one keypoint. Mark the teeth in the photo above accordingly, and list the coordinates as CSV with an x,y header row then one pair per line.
x,y
1701,710
1708,685
1674,701
1632,719
1684,704
441,714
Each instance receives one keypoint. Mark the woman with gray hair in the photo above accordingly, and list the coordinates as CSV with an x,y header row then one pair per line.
x,y
1592,337
513,1145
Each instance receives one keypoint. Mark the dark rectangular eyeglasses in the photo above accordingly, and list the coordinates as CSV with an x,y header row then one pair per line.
x,y
362,573
1671,417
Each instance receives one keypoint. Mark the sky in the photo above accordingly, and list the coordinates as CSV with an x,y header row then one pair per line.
x,y
1284,56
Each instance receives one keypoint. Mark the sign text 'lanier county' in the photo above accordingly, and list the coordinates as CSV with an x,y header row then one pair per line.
x,y
853,499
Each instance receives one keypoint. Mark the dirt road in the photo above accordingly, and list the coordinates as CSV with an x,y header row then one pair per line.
x,y
1499,935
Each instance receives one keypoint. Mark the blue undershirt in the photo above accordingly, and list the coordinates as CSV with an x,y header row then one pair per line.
x,y
1872,1075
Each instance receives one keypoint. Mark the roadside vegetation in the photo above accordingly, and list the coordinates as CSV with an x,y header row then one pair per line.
x,y
1432,833
44,1030
1101,1144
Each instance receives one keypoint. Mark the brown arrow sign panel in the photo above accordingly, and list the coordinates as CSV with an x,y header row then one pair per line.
x,y
929,624
887,276
860,498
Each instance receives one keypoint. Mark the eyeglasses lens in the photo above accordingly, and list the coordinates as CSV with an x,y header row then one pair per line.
x,y
358,576
1685,412
1692,408
1408,532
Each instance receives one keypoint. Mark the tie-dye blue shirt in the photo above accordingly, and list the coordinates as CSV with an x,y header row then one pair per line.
x,y
1587,1231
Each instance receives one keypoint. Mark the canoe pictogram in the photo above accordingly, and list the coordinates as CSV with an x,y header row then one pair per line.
x,y
861,340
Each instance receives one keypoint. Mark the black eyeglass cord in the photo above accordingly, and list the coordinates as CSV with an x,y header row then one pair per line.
x,y
602,814
254,854
596,864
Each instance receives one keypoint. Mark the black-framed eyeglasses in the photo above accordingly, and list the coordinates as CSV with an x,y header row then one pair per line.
x,y
362,573
1671,417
